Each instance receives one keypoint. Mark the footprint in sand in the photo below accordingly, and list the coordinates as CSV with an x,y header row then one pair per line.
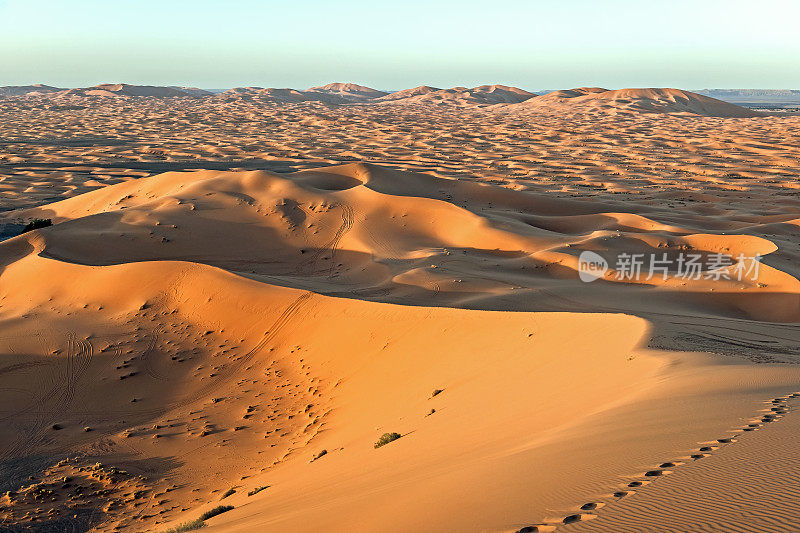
x,y
536,529
578,517
776,411
591,506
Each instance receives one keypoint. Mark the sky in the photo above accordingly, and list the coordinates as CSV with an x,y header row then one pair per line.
x,y
532,44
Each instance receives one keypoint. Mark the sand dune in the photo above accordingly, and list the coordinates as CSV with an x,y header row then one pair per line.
x,y
584,99
333,93
407,93
398,236
36,89
272,95
460,96
123,89
195,329
349,91
595,100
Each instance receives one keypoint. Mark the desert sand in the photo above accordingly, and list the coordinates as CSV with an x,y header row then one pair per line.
x,y
242,292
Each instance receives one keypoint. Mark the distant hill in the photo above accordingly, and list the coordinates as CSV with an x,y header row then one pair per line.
x,y
268,94
459,96
652,100
408,93
104,89
778,96
123,89
20,90
707,102
333,93
349,91
193,91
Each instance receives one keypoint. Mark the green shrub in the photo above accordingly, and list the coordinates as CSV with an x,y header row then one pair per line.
x,y
187,526
215,511
386,438
228,493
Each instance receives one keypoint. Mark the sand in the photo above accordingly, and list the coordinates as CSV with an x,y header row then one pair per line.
x,y
244,294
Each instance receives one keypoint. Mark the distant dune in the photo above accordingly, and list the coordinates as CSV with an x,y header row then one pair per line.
x,y
333,93
583,99
124,89
36,89
192,91
754,95
595,100
408,93
268,95
349,91
460,96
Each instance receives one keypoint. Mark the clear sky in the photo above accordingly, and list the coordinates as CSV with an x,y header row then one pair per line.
x,y
402,43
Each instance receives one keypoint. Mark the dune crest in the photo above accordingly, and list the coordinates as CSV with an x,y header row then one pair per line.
x,y
390,235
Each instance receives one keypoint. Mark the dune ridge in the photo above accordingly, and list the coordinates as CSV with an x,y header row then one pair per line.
x,y
583,99
377,218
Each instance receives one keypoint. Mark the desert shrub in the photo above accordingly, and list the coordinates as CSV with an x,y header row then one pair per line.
x,y
257,490
37,223
215,511
228,493
187,526
320,454
386,438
